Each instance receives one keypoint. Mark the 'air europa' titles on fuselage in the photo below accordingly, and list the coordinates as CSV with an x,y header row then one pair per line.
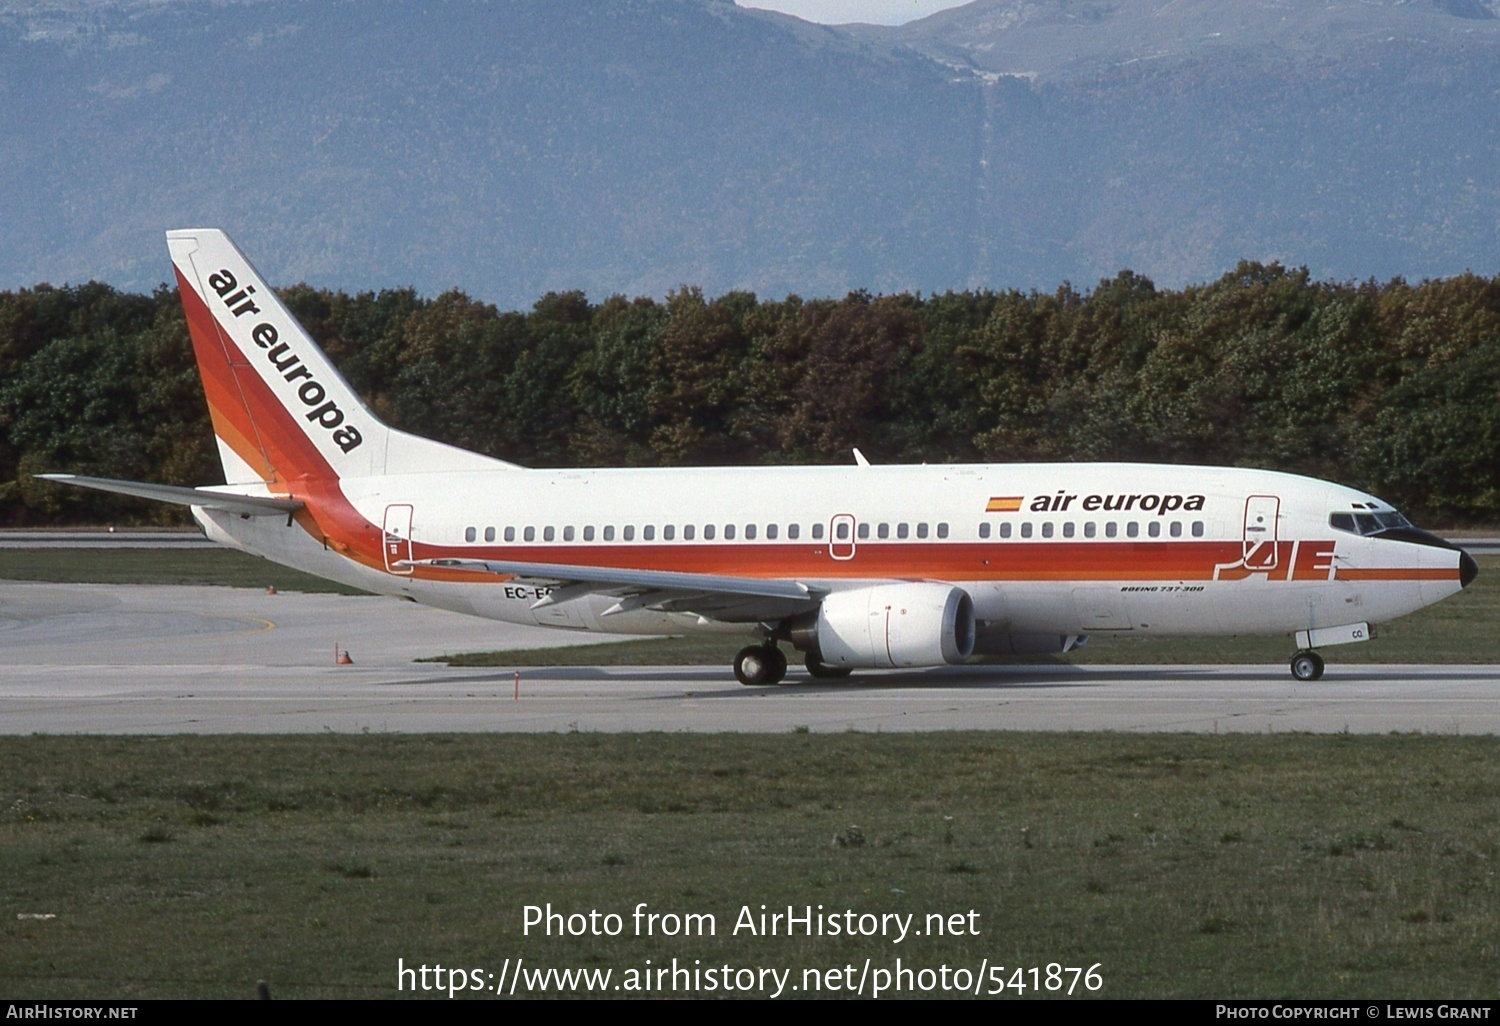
x,y
324,411
1161,505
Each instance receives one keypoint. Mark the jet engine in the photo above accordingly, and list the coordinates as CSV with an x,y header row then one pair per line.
x,y
918,624
995,639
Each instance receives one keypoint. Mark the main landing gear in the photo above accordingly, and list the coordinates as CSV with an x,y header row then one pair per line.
x,y
766,664
760,664
1307,666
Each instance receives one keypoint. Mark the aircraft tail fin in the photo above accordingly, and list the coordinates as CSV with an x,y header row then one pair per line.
x,y
281,411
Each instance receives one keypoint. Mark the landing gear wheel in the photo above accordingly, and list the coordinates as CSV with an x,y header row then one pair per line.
x,y
760,664
1307,666
778,671
821,669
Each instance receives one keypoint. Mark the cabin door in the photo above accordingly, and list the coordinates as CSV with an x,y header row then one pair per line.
x,y
841,536
397,538
1260,532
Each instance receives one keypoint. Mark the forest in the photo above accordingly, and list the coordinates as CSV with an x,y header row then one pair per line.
x,y
1392,387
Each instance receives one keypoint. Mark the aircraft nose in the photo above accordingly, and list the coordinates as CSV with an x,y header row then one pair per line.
x,y
1467,568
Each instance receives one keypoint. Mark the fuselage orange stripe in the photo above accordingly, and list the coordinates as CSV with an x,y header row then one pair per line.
x,y
962,561
1398,574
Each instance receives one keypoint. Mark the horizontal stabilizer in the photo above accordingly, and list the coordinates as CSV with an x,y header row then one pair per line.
x,y
245,505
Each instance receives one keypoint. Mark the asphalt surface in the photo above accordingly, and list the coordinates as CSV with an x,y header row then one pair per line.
x,y
146,659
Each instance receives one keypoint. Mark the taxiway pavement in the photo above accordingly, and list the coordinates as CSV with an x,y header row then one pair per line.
x,y
145,659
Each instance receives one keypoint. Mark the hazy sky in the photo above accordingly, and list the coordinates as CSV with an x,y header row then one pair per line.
x,y
837,12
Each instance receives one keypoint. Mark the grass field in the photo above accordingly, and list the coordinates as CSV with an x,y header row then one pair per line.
x,y
159,566
1191,866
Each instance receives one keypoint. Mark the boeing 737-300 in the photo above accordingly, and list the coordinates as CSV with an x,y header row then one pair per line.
x,y
856,567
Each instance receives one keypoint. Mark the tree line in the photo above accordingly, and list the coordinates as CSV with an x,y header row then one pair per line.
x,y
1392,387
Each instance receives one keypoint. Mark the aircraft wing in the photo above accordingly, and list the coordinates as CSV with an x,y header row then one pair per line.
x,y
245,505
715,596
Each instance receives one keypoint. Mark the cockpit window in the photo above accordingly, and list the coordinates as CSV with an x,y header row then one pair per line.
x,y
1367,523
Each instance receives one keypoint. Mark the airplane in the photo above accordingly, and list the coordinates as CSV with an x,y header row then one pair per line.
x,y
856,567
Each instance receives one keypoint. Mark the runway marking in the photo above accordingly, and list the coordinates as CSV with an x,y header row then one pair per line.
x,y
262,626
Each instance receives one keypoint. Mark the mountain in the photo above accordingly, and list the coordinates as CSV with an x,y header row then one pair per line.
x,y
510,148
1357,137
506,148
1061,40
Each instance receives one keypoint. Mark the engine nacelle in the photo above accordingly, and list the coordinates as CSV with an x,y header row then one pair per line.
x,y
996,640
891,625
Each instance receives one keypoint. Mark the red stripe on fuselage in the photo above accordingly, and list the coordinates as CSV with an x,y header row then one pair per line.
x,y
949,561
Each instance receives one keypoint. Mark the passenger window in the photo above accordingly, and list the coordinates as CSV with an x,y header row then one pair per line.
x,y
708,532
529,534
1047,529
687,532
864,530
770,532
510,534
1090,529
648,533
1111,529
1068,529
1154,528
1132,530
629,533
883,531
817,532
549,533
1197,529
749,532
984,529
1005,529
842,531
792,531
1176,529
470,534
567,534
942,530
609,532
1026,529
588,533
903,530
668,533
922,530
729,532
489,534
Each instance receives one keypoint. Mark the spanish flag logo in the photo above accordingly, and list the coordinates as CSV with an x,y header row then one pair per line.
x,y
1004,504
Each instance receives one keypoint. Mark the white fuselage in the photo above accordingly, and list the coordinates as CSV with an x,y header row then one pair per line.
x,y
1066,549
